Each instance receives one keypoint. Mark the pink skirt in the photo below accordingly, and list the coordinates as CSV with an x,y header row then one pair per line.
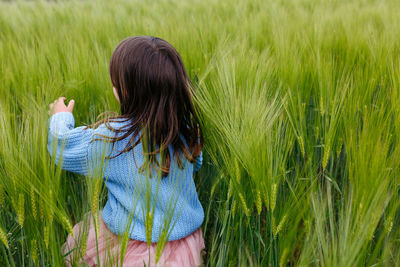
x,y
183,252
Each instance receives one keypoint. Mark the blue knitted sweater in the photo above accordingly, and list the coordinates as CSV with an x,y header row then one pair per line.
x,y
172,201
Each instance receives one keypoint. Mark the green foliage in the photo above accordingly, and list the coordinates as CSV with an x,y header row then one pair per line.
x,y
299,102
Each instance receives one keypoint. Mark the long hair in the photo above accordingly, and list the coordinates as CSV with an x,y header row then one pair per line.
x,y
155,92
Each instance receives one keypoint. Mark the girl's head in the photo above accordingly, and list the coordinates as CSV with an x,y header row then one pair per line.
x,y
154,92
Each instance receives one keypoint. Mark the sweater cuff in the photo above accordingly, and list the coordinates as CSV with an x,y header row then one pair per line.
x,y
65,118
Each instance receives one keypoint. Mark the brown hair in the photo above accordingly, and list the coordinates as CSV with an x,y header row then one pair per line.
x,y
155,96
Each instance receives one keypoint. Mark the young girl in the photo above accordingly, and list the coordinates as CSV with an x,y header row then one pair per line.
x,y
158,131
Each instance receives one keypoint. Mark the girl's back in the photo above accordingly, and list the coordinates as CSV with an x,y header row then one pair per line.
x,y
173,197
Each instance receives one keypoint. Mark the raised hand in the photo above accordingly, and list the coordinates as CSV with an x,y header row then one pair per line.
x,y
59,106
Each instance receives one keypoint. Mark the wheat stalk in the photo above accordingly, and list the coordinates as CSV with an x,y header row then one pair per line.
x,y
33,203
283,260
21,211
259,202
233,207
95,205
34,253
388,225
84,243
149,226
96,195
161,244
301,144
325,157
41,211
50,210
46,236
3,237
243,201
274,192
67,225
2,198
280,226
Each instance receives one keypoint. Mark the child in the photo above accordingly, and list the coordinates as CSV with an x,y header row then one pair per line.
x,y
150,83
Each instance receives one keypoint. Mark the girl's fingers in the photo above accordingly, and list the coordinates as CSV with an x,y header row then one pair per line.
x,y
70,106
59,106
61,100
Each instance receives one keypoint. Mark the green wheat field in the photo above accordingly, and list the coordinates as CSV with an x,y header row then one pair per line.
x,y
299,102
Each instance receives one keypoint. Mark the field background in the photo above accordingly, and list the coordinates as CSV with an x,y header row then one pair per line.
x,y
299,103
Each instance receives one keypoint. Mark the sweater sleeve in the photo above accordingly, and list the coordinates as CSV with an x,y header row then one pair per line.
x,y
69,145
199,162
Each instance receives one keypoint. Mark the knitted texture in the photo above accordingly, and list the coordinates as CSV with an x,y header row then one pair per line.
x,y
173,200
